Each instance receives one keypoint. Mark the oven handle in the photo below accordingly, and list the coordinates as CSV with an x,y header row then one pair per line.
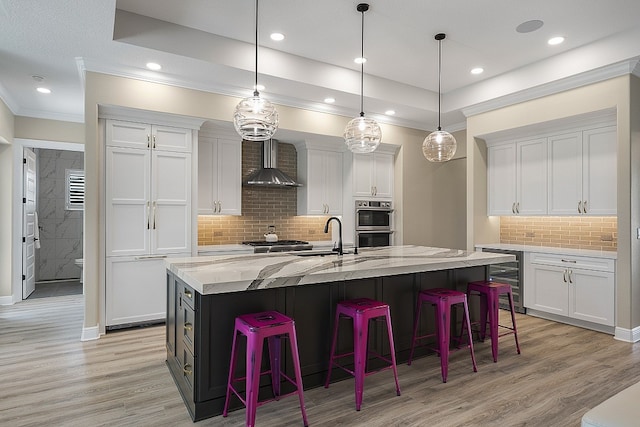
x,y
375,209
365,231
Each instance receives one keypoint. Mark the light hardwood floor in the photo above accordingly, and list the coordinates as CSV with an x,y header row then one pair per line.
x,y
48,377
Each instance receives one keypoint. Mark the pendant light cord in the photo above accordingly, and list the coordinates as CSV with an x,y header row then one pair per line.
x,y
255,87
439,78
362,67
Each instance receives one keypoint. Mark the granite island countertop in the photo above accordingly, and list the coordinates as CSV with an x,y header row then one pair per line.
x,y
245,272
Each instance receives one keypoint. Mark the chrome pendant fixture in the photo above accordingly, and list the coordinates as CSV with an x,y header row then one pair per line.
x,y
362,134
255,118
440,145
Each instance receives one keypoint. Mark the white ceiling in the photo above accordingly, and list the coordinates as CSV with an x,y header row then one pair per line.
x,y
208,45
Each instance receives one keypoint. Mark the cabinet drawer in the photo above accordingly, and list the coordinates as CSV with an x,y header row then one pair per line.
x,y
188,295
187,366
578,262
187,326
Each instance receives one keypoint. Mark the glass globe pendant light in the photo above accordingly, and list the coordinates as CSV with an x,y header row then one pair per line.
x,y
439,145
255,118
362,134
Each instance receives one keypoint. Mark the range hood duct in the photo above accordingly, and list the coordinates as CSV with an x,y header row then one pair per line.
x,y
269,175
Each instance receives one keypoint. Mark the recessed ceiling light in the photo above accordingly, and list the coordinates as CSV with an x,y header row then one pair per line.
x,y
390,112
154,66
44,90
259,87
329,100
360,60
555,40
529,26
277,37
477,70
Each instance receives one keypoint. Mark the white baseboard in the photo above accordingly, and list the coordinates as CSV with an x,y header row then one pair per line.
x,y
90,334
628,335
8,300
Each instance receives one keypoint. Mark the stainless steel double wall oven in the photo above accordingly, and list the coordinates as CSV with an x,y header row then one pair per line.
x,y
374,223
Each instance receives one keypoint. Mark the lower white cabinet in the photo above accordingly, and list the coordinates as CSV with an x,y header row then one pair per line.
x,y
576,287
137,289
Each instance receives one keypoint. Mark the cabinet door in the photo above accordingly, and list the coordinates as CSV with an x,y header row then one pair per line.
x,y
206,197
228,176
383,175
565,174
547,291
501,177
127,201
599,172
592,296
171,316
136,290
332,166
169,138
531,177
128,134
362,175
316,175
170,219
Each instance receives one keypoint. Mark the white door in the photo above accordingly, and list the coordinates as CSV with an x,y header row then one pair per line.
x,y
501,176
228,176
333,182
383,170
599,150
29,224
565,174
532,177
362,175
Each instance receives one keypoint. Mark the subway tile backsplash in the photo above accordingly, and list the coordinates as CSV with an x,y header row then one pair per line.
x,y
585,232
262,207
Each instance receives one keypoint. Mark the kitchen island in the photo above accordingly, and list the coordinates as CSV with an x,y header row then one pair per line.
x,y
205,294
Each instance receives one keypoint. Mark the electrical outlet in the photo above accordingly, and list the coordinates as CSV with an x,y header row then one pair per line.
x,y
606,237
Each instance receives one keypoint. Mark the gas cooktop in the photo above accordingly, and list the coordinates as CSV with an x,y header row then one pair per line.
x,y
260,246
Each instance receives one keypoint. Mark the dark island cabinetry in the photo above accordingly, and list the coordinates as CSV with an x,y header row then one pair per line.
x,y
200,327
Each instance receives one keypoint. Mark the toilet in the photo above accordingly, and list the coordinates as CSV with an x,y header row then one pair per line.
x,y
80,263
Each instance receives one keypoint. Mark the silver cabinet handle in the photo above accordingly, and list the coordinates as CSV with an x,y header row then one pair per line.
x,y
513,207
219,206
154,215
517,207
564,276
570,273
148,141
584,206
580,206
154,141
375,190
573,261
150,257
148,214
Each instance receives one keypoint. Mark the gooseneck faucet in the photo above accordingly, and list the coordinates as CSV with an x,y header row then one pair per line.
x,y
326,230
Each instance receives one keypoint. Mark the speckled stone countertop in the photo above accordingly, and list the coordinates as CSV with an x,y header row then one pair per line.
x,y
244,272
549,250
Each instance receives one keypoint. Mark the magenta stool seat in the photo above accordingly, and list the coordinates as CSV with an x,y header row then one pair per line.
x,y
442,300
361,311
489,293
256,327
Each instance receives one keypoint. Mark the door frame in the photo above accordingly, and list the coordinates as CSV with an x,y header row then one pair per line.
x,y
16,211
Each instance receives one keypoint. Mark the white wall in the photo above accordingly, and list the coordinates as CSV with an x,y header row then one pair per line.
x,y
6,179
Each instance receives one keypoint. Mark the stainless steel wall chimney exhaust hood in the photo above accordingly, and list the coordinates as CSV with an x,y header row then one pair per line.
x,y
269,175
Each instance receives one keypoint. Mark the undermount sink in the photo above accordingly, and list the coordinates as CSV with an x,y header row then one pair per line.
x,y
314,253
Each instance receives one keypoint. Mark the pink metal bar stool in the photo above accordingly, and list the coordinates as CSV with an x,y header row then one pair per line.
x,y
361,311
442,300
489,293
256,327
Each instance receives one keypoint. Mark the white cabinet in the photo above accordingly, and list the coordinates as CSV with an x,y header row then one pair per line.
x,y
582,172
517,178
574,287
219,176
373,175
148,182
321,174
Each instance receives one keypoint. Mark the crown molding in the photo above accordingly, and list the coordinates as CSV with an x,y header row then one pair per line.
x,y
8,100
586,78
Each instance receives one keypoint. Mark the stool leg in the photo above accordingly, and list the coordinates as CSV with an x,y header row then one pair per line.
x,y
444,322
393,351
513,321
293,341
416,323
232,368
254,359
484,309
333,347
274,358
467,320
493,322
360,335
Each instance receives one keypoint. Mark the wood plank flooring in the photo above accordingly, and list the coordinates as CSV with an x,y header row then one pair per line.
x,y
48,377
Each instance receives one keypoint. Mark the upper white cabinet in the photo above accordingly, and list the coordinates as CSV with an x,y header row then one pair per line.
x,y
219,175
517,178
320,172
554,169
373,175
582,172
144,136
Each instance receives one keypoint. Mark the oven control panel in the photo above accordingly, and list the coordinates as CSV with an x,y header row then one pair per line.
x,y
378,204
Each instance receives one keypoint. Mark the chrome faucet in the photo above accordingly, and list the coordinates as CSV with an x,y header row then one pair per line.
x,y
326,230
